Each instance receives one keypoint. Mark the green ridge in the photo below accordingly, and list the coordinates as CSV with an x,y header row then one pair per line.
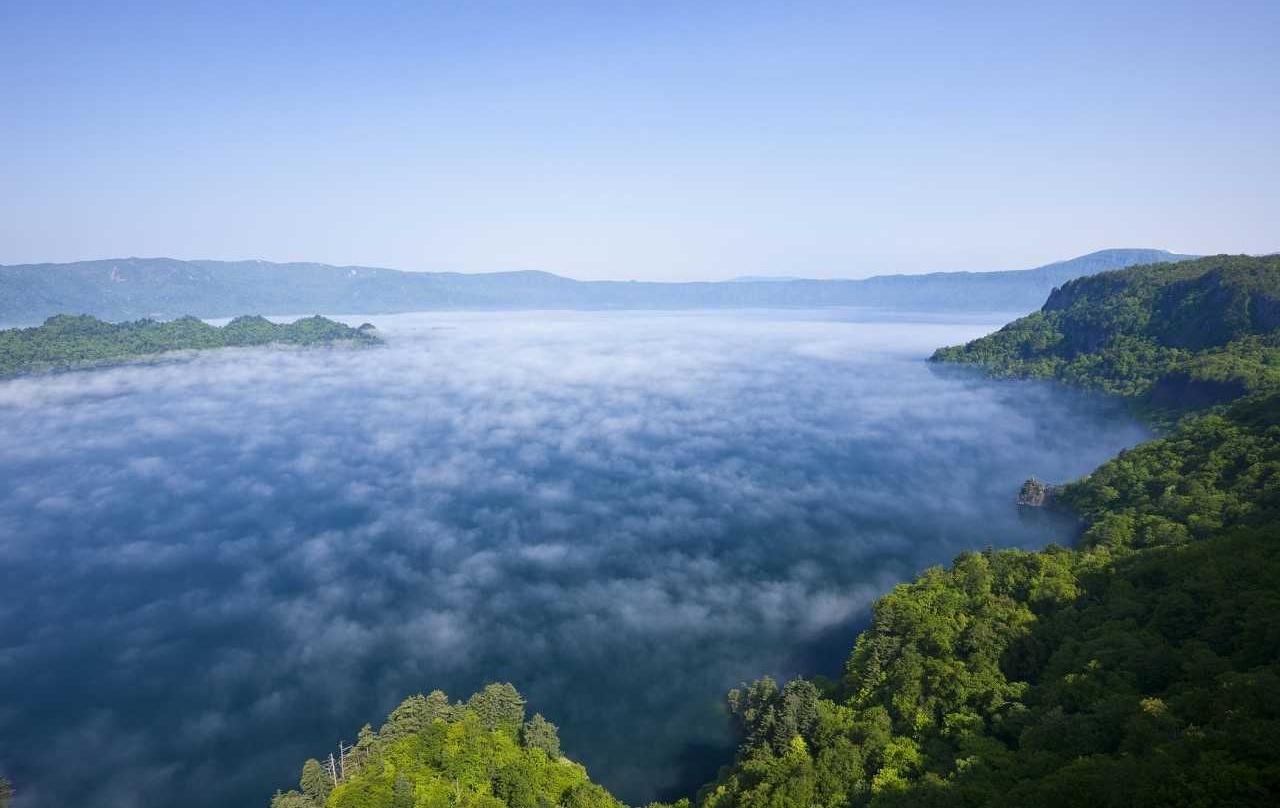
x,y
1171,336
66,342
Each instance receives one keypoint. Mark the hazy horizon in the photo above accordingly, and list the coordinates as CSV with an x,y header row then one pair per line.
x,y
588,279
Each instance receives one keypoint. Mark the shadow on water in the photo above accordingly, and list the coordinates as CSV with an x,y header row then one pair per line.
x,y
823,655
699,763
1057,521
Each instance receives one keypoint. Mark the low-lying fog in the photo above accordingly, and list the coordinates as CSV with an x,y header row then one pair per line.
x,y
211,569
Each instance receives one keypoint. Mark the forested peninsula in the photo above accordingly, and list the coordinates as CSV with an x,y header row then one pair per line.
x,y
1173,337
1140,668
66,342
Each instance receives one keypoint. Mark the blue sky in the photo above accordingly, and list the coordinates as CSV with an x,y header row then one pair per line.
x,y
638,140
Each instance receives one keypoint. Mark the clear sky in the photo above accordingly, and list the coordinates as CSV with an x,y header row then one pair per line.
x,y
646,140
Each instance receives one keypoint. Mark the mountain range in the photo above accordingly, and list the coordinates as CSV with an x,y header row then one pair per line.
x,y
130,288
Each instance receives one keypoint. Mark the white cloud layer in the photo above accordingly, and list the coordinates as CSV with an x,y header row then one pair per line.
x,y
216,567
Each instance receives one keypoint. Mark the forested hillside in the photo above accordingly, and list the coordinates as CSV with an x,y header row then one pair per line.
x,y
1180,335
1142,669
64,341
434,754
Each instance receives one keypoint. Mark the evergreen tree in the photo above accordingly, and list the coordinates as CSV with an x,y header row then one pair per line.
x,y
457,760
366,747
315,782
402,792
415,714
291,799
498,706
539,733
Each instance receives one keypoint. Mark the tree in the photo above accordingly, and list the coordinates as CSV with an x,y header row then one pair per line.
x,y
753,710
287,799
589,795
438,707
415,714
6,792
315,782
366,747
498,705
797,713
402,792
539,733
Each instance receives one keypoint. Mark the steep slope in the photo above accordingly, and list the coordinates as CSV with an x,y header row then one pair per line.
x,y
1187,334
163,287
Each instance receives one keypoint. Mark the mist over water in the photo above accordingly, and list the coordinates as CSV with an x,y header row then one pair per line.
x,y
213,568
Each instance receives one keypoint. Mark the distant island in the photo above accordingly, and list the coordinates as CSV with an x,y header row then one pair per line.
x,y
66,342
1141,668
129,288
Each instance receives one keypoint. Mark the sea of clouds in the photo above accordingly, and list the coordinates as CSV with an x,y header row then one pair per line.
x,y
214,567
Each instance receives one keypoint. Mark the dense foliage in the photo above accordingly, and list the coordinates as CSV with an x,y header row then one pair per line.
x,y
1143,669
434,754
65,341
1214,473
1188,334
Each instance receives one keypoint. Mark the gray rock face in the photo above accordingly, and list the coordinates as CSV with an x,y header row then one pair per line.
x,y
1035,494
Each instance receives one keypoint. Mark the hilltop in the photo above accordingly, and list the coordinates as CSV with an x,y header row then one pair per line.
x,y
480,753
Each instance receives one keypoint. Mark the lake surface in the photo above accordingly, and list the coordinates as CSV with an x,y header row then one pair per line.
x,y
213,568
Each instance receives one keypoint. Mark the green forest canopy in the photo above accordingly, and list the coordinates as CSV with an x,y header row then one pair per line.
x,y
64,342
1141,669
481,753
1172,336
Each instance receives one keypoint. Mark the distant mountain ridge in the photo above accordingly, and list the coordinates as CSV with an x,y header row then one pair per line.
x,y
165,287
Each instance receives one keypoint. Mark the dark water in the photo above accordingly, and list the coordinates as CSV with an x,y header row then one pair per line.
x,y
211,569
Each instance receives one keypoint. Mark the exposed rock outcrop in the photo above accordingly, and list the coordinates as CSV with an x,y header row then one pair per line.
x,y
1036,494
